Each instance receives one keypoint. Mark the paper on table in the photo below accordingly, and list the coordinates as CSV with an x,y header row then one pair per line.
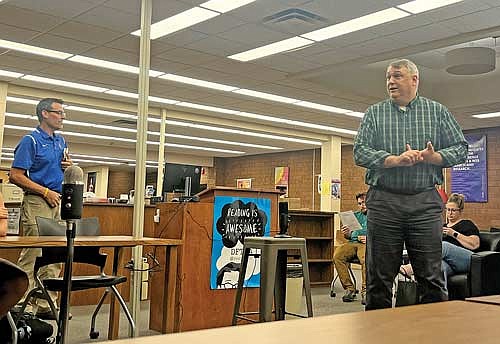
x,y
348,219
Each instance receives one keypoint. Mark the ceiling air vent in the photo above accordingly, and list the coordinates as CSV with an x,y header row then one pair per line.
x,y
125,123
294,14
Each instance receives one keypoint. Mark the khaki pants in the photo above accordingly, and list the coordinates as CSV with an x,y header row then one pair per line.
x,y
344,253
36,206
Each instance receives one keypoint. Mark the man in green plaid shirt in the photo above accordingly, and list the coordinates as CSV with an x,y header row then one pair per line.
x,y
404,142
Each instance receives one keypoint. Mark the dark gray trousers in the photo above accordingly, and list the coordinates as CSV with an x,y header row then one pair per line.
x,y
394,220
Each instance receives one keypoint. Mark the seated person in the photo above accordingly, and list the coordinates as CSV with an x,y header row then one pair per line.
x,y
356,247
460,239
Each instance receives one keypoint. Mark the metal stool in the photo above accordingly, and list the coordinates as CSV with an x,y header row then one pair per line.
x,y
273,260
353,260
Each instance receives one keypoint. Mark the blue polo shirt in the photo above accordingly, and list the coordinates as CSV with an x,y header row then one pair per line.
x,y
40,155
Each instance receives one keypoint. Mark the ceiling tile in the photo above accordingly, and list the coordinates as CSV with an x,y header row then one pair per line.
x,y
59,8
288,64
188,56
66,45
253,35
26,19
16,34
217,46
86,33
111,18
182,38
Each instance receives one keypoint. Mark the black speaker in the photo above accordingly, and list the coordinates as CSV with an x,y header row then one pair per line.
x,y
284,218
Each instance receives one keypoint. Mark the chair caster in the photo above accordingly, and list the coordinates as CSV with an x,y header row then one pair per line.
x,y
332,293
94,334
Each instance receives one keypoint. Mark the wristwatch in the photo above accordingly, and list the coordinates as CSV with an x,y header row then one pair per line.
x,y
455,235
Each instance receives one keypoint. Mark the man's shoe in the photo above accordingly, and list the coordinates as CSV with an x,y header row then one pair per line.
x,y
349,296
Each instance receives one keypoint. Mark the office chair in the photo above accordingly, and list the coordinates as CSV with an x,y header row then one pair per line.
x,y
353,260
13,285
86,255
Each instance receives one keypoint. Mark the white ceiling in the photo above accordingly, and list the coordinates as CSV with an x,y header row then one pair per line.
x,y
346,71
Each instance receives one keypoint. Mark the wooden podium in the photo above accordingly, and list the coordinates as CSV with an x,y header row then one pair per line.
x,y
197,306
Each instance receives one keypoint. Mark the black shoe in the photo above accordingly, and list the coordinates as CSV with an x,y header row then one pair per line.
x,y
349,296
48,315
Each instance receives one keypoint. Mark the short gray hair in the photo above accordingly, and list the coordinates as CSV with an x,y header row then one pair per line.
x,y
412,67
46,104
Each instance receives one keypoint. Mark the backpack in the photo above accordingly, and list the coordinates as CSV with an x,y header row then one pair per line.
x,y
30,330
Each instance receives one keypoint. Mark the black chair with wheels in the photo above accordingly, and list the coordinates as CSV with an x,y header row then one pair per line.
x,y
483,277
85,255
353,260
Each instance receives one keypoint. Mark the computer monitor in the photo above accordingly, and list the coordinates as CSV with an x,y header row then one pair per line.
x,y
174,179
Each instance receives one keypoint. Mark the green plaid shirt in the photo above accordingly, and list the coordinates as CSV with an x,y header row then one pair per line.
x,y
386,129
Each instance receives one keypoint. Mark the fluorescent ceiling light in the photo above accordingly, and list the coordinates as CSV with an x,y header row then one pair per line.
x,y
322,107
111,65
296,123
122,94
100,112
22,100
356,24
267,96
241,132
419,6
101,157
487,115
223,6
178,22
33,50
197,82
63,83
224,142
10,74
203,148
271,49
96,161
207,108
162,100
356,114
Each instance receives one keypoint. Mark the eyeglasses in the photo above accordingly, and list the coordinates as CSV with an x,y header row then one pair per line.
x,y
361,203
59,112
452,210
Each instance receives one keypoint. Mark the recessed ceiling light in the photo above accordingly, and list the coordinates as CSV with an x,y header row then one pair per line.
x,y
22,100
64,83
419,6
10,74
267,96
197,82
487,115
321,107
224,142
111,65
178,22
271,49
223,6
33,50
207,107
242,132
356,24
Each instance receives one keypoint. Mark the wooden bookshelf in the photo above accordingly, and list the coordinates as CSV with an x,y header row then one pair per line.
x,y
317,227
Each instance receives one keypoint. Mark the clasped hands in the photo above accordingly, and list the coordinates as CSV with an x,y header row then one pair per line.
x,y
413,156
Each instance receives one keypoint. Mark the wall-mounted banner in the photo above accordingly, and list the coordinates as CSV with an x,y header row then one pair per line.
x,y
471,177
234,219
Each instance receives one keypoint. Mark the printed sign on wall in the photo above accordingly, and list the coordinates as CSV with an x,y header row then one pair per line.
x,y
234,219
471,177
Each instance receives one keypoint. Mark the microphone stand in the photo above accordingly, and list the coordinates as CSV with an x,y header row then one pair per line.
x,y
62,325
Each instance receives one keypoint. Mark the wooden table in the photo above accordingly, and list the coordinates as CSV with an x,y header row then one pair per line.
x,y
491,299
451,322
116,242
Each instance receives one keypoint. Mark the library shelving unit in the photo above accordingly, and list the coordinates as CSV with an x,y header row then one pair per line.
x,y
317,227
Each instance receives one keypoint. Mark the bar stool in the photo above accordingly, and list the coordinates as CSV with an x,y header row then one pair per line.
x,y
273,263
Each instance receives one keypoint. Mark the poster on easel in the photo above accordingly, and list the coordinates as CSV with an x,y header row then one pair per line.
x,y
234,219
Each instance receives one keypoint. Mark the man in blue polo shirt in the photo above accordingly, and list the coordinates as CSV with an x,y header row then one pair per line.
x,y
38,168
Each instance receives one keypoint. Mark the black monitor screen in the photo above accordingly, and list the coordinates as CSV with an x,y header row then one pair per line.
x,y
175,178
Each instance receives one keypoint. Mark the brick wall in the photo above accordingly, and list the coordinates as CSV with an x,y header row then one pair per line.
x,y
353,180
120,182
261,169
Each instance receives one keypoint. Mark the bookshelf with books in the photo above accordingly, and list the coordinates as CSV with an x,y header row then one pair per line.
x,y
317,227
